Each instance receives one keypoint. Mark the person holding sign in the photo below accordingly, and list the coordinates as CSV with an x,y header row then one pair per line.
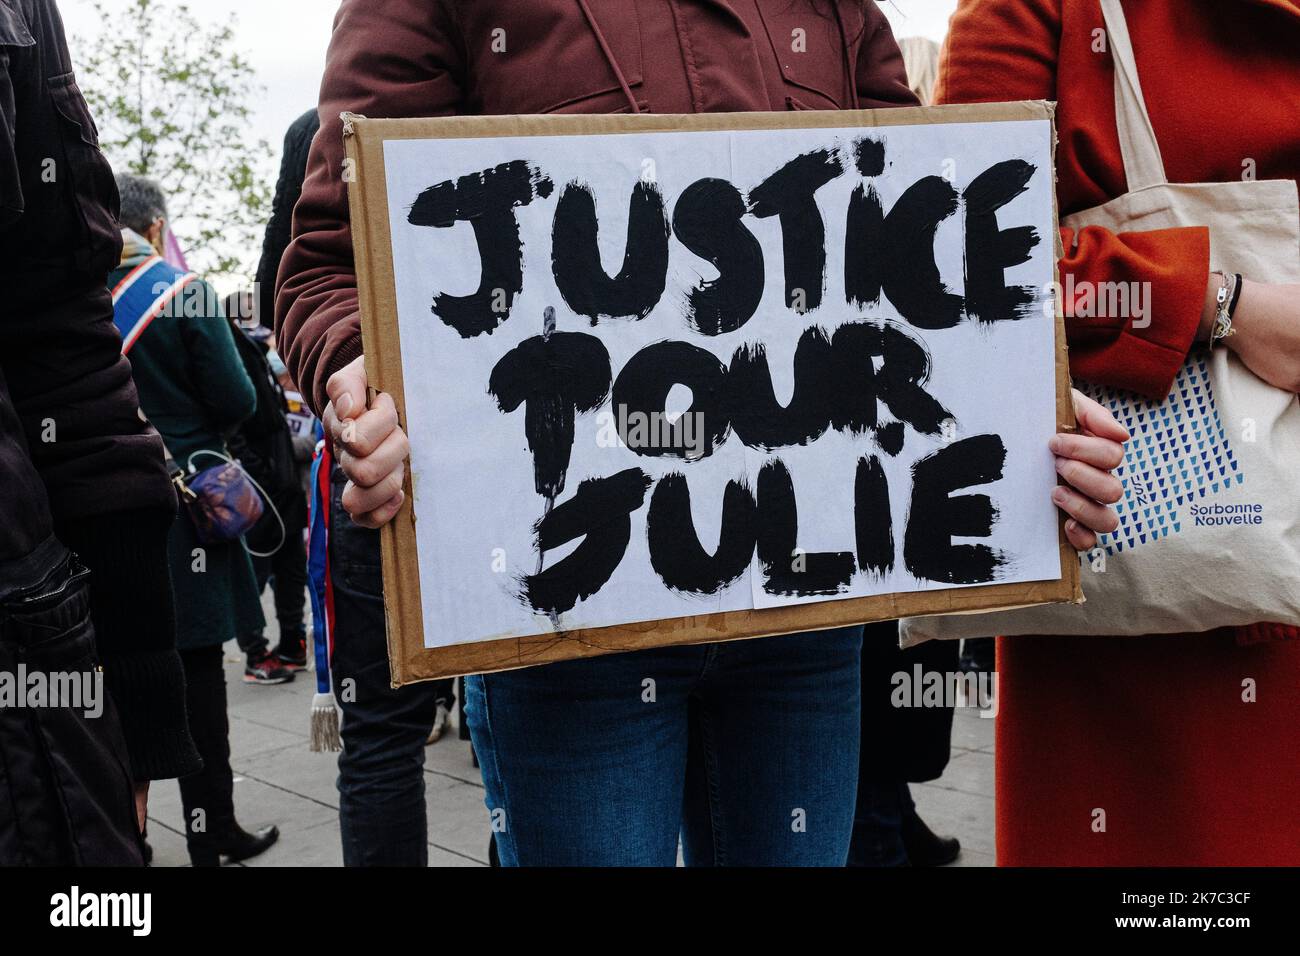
x,y
747,749
1165,749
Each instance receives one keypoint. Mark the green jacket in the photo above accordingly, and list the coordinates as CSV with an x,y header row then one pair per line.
x,y
192,383
194,390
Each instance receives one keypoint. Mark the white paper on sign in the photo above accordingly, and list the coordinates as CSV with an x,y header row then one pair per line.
x,y
476,480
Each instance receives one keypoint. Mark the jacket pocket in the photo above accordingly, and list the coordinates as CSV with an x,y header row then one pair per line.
x,y
85,171
810,52
68,797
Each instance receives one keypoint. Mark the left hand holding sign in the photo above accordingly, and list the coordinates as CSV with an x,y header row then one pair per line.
x,y
371,447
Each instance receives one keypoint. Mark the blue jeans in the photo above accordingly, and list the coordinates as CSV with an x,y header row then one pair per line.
x,y
748,750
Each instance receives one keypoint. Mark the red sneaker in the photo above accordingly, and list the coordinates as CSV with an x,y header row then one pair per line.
x,y
265,669
292,655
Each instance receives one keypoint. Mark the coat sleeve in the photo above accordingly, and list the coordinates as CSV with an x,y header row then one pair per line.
x,y
1007,50
215,368
881,76
395,59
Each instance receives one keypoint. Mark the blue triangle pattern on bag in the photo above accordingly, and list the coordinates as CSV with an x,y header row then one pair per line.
x,y
1190,455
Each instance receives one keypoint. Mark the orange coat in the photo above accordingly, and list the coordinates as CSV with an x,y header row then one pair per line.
x,y
1157,739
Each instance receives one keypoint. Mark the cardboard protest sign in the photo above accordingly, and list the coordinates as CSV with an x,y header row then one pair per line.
x,y
674,379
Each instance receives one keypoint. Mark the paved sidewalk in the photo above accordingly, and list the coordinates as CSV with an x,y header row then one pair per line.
x,y
278,780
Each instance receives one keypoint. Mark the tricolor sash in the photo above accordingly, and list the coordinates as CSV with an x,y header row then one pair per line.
x,y
320,587
324,705
143,294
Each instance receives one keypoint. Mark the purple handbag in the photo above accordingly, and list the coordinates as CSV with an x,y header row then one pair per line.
x,y
221,501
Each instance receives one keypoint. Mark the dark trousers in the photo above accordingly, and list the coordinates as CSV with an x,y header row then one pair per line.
x,y
899,744
286,569
207,797
381,769
878,820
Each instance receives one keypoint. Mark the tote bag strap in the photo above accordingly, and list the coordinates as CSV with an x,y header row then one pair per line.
x,y
1137,139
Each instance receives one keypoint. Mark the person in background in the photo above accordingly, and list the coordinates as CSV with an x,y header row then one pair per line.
x,y
1151,730
264,446
921,60
978,655
194,389
584,772
85,500
303,425
900,745
288,187
382,815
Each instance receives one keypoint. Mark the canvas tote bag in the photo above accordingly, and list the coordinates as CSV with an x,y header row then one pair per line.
x,y
1209,530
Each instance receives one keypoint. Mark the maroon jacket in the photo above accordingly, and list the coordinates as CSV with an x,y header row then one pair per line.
x,y
406,58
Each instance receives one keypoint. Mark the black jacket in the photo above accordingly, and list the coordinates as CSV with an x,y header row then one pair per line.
x,y
293,168
263,443
59,237
77,457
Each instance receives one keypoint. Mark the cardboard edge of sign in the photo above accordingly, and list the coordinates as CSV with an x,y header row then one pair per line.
x,y
410,661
